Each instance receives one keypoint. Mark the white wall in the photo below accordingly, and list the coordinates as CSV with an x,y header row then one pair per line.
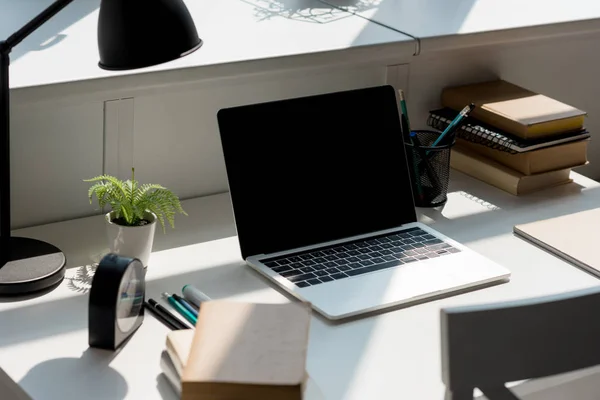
x,y
53,147
170,135
176,137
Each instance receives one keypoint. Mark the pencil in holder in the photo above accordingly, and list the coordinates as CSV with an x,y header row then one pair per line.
x,y
429,168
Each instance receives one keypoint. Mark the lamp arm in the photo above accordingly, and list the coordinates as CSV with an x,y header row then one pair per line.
x,y
5,48
30,27
4,158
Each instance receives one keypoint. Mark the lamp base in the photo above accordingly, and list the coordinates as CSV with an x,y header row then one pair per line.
x,y
32,266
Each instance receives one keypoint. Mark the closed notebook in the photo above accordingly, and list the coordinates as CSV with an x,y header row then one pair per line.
x,y
514,109
502,177
170,372
186,337
248,351
573,237
568,155
178,347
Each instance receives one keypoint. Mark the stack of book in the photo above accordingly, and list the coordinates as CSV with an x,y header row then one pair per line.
x,y
514,139
240,351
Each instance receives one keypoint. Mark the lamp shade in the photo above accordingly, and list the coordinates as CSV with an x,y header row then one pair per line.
x,y
140,33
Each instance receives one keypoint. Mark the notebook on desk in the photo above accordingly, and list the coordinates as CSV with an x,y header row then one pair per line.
x,y
572,237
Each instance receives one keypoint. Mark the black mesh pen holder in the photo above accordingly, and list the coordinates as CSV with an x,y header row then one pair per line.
x,y
429,167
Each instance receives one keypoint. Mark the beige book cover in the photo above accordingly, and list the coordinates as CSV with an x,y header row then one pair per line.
x,y
515,109
178,347
568,155
573,237
248,351
502,177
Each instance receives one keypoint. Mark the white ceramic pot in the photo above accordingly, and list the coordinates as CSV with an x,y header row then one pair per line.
x,y
131,241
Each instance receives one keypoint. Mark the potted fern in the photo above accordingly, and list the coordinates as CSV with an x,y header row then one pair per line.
x,y
135,208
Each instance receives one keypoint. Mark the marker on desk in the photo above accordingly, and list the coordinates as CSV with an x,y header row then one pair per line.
x,y
193,295
179,308
191,308
454,124
164,315
161,318
176,314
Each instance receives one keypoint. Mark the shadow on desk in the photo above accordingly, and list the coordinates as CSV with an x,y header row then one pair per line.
x,y
45,318
89,377
495,212
165,389
49,317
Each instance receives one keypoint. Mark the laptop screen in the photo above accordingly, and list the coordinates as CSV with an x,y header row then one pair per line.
x,y
313,169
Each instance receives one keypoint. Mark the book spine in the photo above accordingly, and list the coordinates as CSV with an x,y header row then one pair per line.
x,y
485,171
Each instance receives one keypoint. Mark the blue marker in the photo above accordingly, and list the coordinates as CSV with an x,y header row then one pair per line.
x,y
454,124
187,305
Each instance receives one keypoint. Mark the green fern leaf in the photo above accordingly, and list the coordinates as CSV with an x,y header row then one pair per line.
x,y
163,203
153,208
128,190
130,201
116,184
145,188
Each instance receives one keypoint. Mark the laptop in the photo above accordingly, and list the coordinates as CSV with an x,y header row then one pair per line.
x,y
323,208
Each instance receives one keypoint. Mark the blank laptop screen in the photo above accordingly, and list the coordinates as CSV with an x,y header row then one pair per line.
x,y
313,169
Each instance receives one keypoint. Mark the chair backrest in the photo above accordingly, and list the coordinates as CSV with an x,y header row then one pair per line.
x,y
488,345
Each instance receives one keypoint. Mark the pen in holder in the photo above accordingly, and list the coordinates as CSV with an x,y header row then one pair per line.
x,y
429,167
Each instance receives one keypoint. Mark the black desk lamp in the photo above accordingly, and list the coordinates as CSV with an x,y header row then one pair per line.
x,y
131,34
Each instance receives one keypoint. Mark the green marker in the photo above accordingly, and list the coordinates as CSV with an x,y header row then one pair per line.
x,y
180,309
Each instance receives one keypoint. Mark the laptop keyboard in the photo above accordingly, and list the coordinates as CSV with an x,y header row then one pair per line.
x,y
359,257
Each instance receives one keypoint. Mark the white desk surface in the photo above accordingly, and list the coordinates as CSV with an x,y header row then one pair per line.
x,y
396,355
65,48
442,24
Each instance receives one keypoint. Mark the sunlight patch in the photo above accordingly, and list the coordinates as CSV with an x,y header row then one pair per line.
x,y
462,204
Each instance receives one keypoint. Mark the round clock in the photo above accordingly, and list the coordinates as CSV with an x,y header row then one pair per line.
x,y
116,305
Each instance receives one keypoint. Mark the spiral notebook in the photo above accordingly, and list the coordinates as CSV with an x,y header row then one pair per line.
x,y
478,132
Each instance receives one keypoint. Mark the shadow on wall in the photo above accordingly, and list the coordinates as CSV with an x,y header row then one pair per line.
x,y
15,14
326,12
404,16
311,11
